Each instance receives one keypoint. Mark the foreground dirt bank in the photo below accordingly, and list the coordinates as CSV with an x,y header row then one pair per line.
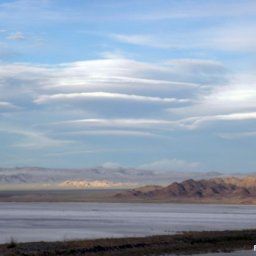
x,y
184,243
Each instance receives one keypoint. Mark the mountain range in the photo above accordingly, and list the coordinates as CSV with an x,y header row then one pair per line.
x,y
103,177
228,190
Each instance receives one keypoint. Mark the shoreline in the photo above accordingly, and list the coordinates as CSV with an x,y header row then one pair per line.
x,y
186,243
103,196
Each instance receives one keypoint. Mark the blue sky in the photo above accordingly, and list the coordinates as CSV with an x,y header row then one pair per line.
x,y
152,84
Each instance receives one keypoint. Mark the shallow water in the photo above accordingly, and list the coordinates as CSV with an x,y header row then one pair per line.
x,y
59,221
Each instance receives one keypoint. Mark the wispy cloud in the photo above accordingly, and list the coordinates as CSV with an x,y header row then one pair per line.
x,y
235,37
32,139
104,95
236,135
195,122
6,105
16,36
169,165
120,133
119,77
124,122
49,11
99,73
197,10
236,95
142,40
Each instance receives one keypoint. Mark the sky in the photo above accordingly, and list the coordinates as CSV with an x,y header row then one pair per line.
x,y
152,84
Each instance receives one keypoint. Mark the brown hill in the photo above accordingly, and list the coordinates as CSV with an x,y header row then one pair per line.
x,y
230,189
248,182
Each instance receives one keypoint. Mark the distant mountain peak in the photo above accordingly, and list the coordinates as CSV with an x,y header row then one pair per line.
x,y
216,189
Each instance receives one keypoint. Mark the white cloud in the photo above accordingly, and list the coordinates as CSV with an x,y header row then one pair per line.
x,y
81,152
115,74
123,81
238,95
104,95
121,122
143,40
6,105
198,91
236,37
165,124
39,141
32,139
129,133
16,36
198,121
108,75
126,80
171,165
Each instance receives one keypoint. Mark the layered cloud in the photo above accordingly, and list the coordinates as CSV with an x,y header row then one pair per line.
x,y
112,78
133,81
232,101
188,92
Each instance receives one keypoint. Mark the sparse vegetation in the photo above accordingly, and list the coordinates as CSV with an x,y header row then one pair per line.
x,y
12,243
184,243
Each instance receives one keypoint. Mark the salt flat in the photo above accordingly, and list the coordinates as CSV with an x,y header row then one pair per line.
x,y
59,221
